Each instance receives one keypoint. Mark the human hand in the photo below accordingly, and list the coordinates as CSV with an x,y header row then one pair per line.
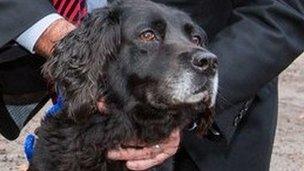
x,y
56,31
101,105
147,157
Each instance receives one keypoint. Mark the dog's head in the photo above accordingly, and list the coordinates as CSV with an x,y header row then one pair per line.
x,y
137,50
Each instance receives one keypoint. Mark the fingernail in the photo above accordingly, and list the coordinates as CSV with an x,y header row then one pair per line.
x,y
130,165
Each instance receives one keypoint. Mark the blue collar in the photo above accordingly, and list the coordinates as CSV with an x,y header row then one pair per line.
x,y
30,140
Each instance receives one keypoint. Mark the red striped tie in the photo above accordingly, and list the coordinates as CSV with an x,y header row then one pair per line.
x,y
73,10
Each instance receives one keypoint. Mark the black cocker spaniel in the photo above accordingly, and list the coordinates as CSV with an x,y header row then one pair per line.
x,y
149,65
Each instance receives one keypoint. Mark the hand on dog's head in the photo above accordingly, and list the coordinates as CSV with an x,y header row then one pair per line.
x,y
140,57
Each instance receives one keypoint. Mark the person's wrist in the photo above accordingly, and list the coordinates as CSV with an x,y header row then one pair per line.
x,y
55,32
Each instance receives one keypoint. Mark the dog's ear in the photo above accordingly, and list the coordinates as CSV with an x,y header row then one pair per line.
x,y
79,59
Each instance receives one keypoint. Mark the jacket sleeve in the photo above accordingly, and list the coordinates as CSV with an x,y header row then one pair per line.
x,y
18,15
266,37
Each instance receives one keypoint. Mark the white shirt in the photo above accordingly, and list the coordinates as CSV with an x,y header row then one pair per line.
x,y
30,36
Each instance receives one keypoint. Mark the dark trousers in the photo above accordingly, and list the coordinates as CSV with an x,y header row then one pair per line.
x,y
183,161
22,93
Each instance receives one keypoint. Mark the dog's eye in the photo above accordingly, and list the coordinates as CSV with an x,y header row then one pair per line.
x,y
196,40
148,36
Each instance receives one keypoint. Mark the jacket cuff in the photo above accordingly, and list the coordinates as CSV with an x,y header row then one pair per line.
x,y
18,16
228,120
29,37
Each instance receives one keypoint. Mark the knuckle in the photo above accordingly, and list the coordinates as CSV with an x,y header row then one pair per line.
x,y
152,154
170,153
160,160
176,143
126,153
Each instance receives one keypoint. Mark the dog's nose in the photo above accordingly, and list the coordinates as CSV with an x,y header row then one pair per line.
x,y
204,61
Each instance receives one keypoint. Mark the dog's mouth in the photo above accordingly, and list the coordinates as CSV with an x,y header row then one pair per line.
x,y
199,95
199,90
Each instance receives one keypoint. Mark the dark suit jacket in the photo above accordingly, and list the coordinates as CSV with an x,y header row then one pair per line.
x,y
254,40
19,70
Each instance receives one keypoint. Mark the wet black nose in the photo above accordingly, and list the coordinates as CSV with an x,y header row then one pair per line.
x,y
204,61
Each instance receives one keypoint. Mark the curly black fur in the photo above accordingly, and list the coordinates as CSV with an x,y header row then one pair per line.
x,y
94,62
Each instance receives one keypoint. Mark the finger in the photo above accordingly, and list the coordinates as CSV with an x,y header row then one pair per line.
x,y
101,105
146,164
172,142
134,154
175,133
169,146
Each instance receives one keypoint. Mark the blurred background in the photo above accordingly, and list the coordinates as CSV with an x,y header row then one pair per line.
x,y
288,151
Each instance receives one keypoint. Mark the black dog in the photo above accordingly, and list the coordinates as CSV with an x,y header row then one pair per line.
x,y
147,62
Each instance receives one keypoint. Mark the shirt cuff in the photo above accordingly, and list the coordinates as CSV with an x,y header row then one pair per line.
x,y
29,37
